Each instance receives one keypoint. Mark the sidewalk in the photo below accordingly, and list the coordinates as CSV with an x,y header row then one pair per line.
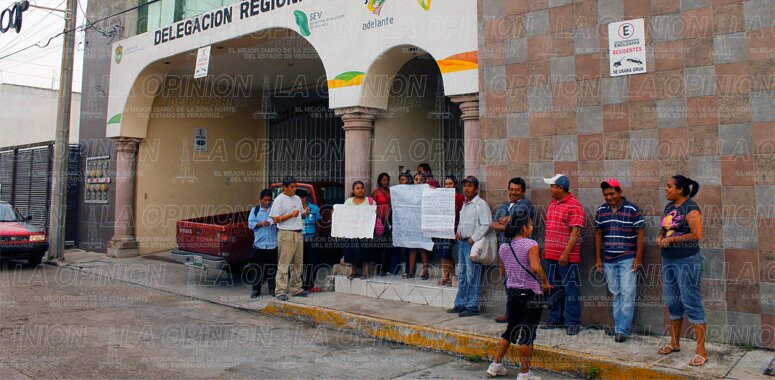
x,y
588,354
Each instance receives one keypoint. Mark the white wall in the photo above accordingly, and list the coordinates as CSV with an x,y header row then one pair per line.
x,y
29,115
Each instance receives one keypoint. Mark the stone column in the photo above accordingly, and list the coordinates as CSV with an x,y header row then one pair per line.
x,y
469,105
358,145
124,242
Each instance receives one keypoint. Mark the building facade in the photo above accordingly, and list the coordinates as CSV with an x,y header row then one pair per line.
x,y
492,88
705,108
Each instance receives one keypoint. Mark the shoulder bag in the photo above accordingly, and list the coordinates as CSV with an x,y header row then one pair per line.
x,y
541,301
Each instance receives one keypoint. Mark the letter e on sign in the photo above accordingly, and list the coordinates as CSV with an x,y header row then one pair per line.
x,y
626,30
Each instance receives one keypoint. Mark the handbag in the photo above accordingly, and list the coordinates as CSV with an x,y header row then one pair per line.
x,y
485,250
540,301
379,227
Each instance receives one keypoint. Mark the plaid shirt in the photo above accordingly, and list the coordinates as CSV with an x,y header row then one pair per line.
x,y
560,218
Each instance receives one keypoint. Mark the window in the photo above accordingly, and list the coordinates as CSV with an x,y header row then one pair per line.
x,y
142,17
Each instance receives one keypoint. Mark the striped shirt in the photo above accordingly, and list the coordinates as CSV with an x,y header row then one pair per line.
x,y
620,230
516,276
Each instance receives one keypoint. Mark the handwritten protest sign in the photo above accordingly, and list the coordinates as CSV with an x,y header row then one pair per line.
x,y
438,213
406,202
353,222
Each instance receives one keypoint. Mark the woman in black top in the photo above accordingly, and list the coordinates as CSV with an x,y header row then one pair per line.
x,y
679,239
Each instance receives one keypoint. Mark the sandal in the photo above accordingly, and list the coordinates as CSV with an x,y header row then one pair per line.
x,y
668,349
408,275
444,282
701,363
425,276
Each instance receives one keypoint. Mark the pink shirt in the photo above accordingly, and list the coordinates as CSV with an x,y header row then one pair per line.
x,y
516,276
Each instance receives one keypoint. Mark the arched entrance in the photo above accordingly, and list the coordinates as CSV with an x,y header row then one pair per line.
x,y
211,144
420,124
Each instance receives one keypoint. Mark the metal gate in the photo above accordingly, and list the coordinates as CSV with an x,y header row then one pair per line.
x,y
306,139
25,183
452,135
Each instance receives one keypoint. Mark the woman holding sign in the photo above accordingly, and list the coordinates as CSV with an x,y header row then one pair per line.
x,y
445,246
358,251
419,179
390,257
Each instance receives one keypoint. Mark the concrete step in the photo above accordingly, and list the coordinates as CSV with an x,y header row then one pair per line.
x,y
434,269
395,288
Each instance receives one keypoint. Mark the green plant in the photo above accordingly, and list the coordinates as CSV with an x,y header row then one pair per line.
x,y
593,372
474,358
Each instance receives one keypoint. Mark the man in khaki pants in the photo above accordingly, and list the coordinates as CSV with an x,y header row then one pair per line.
x,y
288,213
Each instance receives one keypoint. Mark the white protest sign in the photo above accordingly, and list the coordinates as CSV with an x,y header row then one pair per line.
x,y
438,213
627,47
406,202
354,222
202,62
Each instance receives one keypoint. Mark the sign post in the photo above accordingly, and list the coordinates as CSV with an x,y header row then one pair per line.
x,y
59,179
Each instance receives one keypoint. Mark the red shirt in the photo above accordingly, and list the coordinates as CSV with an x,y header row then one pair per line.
x,y
459,199
560,218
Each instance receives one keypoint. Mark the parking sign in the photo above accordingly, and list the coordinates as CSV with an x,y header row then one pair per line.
x,y
627,47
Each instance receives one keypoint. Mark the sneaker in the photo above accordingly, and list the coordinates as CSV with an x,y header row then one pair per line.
x,y
467,313
302,293
496,369
527,376
256,293
573,330
620,338
455,310
282,297
552,326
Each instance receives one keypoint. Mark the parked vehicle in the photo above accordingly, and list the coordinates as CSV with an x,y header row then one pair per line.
x,y
322,194
226,242
18,238
217,241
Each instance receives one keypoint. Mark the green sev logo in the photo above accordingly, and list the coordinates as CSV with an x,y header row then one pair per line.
x,y
302,22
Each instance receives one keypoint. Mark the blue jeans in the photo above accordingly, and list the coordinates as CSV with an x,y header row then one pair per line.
x,y
622,283
569,279
682,278
469,289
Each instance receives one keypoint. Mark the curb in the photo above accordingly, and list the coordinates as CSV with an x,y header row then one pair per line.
x,y
465,344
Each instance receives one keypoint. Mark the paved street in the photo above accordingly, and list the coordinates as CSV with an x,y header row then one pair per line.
x,y
60,323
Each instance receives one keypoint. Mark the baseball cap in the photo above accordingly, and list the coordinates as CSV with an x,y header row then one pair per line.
x,y
472,179
611,182
559,180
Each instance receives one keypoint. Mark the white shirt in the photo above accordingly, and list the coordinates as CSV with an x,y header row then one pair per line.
x,y
474,219
284,205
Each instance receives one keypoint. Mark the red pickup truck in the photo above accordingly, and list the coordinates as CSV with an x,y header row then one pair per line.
x,y
226,242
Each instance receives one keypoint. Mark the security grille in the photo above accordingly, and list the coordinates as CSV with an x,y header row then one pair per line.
x,y
306,140
25,183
